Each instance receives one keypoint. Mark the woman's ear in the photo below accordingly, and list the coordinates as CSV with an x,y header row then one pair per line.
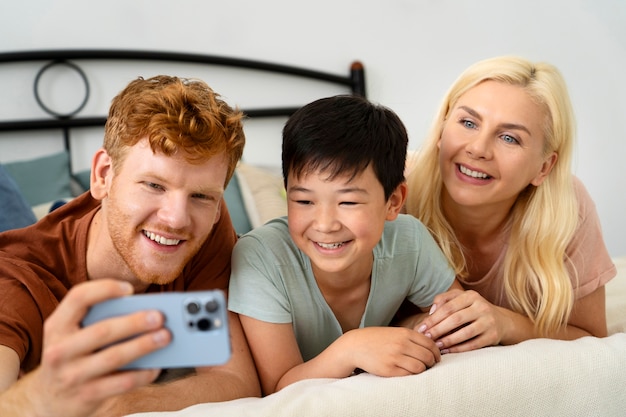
x,y
101,173
396,201
546,167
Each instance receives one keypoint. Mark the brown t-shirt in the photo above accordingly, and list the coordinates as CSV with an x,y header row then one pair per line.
x,y
40,263
590,268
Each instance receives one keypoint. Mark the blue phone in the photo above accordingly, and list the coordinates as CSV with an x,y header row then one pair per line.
x,y
197,320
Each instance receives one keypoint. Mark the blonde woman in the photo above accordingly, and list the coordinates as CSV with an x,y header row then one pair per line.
x,y
493,183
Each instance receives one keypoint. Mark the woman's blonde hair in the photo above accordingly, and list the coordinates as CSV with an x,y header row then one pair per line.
x,y
542,220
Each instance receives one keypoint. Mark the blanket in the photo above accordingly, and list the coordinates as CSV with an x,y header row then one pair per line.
x,y
540,377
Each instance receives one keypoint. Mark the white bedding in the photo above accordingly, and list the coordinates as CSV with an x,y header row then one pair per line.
x,y
585,377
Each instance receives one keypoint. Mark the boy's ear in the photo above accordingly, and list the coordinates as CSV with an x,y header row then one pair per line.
x,y
101,173
396,201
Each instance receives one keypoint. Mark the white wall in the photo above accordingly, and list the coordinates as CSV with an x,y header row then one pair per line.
x,y
412,51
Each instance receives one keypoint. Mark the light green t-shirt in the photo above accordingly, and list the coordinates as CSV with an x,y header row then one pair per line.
x,y
272,280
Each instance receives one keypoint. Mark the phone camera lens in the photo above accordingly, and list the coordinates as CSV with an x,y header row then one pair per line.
x,y
204,324
193,307
211,306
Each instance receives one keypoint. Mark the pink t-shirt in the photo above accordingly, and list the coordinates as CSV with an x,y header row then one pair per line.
x,y
590,268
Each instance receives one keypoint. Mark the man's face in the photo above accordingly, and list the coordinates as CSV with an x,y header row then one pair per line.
x,y
159,210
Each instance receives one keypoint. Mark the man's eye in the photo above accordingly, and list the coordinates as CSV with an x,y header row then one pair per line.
x,y
154,186
203,197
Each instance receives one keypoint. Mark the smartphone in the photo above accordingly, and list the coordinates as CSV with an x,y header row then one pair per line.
x,y
197,320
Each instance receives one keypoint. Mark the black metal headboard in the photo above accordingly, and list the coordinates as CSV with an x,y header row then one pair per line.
x,y
354,81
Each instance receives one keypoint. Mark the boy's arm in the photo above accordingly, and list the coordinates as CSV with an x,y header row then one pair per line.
x,y
235,379
384,351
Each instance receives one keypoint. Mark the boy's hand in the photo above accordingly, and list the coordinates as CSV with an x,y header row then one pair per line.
x,y
393,351
78,369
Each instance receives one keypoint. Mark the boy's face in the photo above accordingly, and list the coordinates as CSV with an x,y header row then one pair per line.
x,y
158,211
338,222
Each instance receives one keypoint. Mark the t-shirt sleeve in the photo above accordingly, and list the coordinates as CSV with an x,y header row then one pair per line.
x,y
589,264
255,288
21,321
433,274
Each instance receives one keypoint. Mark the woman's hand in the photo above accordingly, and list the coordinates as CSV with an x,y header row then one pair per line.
x,y
461,320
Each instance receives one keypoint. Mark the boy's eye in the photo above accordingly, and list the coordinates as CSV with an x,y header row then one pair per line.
x,y
303,202
349,203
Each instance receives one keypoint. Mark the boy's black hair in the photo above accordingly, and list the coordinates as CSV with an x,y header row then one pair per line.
x,y
343,135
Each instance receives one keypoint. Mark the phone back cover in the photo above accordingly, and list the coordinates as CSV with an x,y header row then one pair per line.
x,y
190,346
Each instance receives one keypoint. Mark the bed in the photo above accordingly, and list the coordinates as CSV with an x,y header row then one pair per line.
x,y
48,155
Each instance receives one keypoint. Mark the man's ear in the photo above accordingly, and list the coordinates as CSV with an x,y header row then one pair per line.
x,y
101,174
396,201
546,167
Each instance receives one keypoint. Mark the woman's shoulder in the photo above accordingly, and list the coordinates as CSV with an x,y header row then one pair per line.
x,y
586,205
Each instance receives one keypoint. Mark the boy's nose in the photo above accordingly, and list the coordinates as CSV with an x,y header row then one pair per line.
x,y
326,220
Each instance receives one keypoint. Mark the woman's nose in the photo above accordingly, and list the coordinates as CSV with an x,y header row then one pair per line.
x,y
479,146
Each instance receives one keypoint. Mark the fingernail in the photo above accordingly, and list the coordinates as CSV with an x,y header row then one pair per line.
x,y
153,318
428,335
160,337
422,328
432,309
439,344
126,287
444,351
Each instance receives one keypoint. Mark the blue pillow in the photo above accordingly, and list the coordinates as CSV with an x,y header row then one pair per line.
x,y
15,212
42,180
236,207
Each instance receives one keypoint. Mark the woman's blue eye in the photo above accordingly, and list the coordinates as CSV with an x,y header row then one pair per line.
x,y
509,139
469,124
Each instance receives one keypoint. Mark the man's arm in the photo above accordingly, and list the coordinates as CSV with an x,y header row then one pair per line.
x,y
236,379
78,369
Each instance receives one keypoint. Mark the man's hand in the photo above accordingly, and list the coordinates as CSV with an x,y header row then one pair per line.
x,y
78,369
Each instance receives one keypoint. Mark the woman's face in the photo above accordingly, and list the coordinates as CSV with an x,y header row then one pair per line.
x,y
491,146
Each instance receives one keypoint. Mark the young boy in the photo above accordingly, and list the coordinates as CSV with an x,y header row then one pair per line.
x,y
317,290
